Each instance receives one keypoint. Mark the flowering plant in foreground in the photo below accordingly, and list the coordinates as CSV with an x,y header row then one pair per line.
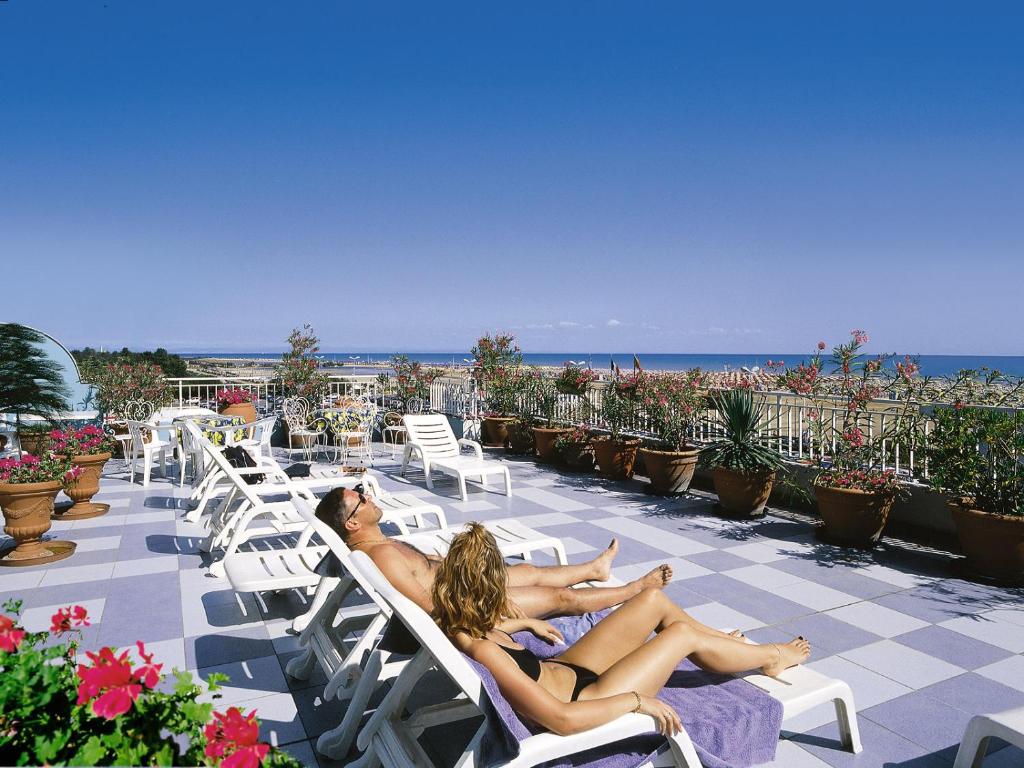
x,y
87,441
233,396
107,709
671,402
38,469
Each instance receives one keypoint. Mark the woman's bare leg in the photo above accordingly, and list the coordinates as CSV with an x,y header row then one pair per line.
x,y
544,602
598,569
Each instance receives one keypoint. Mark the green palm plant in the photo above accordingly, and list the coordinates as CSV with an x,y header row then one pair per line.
x,y
744,445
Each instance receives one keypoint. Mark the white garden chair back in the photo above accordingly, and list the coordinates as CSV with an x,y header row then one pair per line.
x,y
297,415
148,442
431,441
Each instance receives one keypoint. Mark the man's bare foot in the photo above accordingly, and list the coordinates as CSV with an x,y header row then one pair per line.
x,y
737,634
656,578
787,655
603,562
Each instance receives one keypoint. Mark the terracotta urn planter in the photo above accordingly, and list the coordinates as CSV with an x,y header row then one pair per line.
x,y
520,439
993,545
852,516
246,410
544,439
670,472
615,458
83,488
34,442
743,494
495,430
27,508
578,456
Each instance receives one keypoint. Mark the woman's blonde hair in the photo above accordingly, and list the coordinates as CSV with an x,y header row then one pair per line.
x,y
470,591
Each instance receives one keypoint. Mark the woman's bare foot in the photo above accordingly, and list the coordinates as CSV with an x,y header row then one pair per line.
x,y
737,634
656,578
603,562
787,655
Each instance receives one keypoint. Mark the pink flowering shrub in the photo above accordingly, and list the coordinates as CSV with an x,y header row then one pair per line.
x,y
233,396
574,380
38,469
86,441
56,709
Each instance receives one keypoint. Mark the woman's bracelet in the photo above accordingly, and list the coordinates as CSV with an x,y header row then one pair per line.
x,y
639,701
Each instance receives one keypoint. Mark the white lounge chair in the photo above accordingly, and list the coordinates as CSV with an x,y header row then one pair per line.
x,y
340,638
1007,725
391,738
431,441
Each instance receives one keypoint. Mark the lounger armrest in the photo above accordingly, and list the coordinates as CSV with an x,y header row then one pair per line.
x,y
466,442
550,746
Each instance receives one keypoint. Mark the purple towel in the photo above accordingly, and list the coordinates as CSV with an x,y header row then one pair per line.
x,y
732,724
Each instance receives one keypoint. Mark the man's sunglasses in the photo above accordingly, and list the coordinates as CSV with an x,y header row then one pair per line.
x,y
362,500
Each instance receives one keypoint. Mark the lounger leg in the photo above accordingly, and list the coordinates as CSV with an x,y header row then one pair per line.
x,y
336,742
846,717
972,749
147,467
462,487
301,667
323,591
508,483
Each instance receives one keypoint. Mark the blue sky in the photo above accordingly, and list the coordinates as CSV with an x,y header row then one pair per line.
x,y
658,177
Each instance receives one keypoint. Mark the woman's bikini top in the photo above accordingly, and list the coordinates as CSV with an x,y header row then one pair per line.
x,y
523,658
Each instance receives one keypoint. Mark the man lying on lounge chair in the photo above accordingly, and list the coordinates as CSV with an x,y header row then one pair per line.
x,y
534,591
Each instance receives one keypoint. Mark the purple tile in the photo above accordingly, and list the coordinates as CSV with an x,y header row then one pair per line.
x,y
718,561
921,719
836,577
956,648
683,596
828,636
926,604
758,603
882,748
227,645
974,694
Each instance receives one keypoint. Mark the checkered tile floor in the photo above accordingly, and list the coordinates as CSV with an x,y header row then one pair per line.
x,y
922,650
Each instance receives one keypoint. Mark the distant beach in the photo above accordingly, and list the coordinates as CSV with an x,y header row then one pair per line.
x,y
374,362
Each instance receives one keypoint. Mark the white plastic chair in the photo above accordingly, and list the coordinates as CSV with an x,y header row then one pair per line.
x,y
392,427
432,442
148,443
1007,725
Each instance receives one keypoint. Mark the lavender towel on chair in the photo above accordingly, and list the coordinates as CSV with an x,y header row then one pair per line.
x,y
732,724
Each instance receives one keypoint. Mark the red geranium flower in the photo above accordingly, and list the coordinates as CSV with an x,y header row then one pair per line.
x,y
64,618
113,680
235,738
10,637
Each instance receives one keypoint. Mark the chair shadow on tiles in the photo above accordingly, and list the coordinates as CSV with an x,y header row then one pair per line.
x,y
166,502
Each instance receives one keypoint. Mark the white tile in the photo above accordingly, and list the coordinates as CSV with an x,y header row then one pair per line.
x,y
816,596
757,552
98,543
122,502
145,565
576,547
884,622
38,619
722,617
474,505
1012,615
902,664
623,510
159,516
869,688
547,518
170,653
895,577
279,719
789,755
666,541
14,580
762,577
1008,672
104,521
550,500
681,569
538,481
76,574
989,629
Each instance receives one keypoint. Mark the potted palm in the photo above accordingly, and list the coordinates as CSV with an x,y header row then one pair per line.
x,y
28,486
743,466
670,403
88,448
30,383
614,453
975,455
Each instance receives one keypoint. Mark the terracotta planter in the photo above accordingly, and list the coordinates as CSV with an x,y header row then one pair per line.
x,y
578,456
615,458
544,439
3,442
852,516
743,494
993,545
520,439
27,508
33,442
669,471
246,410
83,488
495,430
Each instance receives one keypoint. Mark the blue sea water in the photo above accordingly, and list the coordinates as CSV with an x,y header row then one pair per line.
x,y
931,365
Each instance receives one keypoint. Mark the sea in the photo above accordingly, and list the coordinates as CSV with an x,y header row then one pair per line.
x,y
369,362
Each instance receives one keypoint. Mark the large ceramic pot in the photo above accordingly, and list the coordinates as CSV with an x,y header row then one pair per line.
x,y
520,438
993,545
669,471
743,494
246,410
578,456
495,430
852,516
27,508
544,440
615,458
83,488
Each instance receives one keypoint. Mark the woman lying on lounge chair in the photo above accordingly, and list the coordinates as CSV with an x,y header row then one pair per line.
x,y
611,670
